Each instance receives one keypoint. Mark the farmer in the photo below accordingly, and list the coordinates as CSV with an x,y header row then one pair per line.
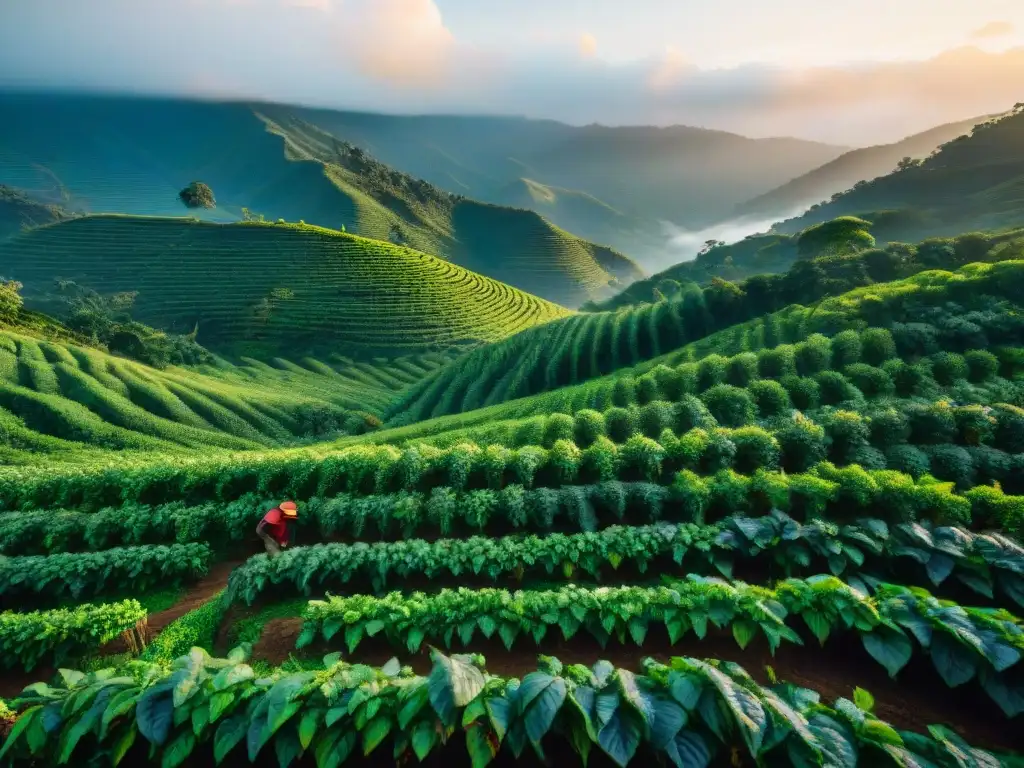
x,y
273,528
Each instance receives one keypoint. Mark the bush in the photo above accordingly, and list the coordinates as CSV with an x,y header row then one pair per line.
x,y
559,426
620,424
869,457
642,456
670,382
804,393
908,380
848,433
530,431
915,339
975,423
947,367
624,392
719,453
871,381
813,355
755,449
197,195
877,346
908,459
687,373
803,444
731,406
742,369
981,365
711,371
10,300
777,363
589,425
934,423
991,464
646,389
952,463
655,417
846,349
889,427
564,460
835,388
770,397
690,413
1009,428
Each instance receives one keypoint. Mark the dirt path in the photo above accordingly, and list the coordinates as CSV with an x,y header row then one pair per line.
x,y
13,682
917,699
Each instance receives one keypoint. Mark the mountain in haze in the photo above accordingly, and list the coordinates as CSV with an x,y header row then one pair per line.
x,y
974,182
639,176
848,169
18,211
132,156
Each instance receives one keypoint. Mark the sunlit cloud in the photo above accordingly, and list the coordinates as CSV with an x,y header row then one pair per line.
x,y
669,70
588,45
994,29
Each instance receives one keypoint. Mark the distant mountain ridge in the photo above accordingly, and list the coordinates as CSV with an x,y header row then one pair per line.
x,y
123,155
852,167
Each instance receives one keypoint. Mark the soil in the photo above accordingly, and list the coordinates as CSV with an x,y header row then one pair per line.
x,y
916,700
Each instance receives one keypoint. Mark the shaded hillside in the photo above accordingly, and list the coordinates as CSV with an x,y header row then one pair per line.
x,y
852,167
275,288
974,182
18,211
690,176
123,155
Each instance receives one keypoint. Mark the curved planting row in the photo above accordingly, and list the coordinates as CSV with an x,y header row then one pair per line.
x,y
83,575
687,712
26,639
963,642
981,562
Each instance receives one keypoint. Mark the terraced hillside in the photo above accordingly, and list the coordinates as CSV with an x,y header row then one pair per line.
x,y
593,344
62,402
18,212
133,156
278,288
852,167
974,182
826,495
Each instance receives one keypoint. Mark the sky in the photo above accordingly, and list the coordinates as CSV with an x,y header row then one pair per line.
x,y
850,73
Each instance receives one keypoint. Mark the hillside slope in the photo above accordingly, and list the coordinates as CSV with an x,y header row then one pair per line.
x,y
18,211
690,176
975,182
122,155
854,166
270,288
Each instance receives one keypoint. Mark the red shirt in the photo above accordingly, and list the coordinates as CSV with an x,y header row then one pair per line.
x,y
276,526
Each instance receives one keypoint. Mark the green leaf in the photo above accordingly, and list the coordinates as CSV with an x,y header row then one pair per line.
x,y
375,732
335,749
744,630
620,735
541,697
688,750
122,744
229,734
424,736
500,710
669,718
481,749
219,704
310,721
863,699
414,639
27,718
178,750
154,713
819,625
888,647
955,663
685,688
452,684
287,746
881,733
748,712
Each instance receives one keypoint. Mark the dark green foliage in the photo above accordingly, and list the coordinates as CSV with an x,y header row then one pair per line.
x,y
847,349
770,397
803,444
589,425
908,459
711,371
620,424
871,381
947,367
991,464
719,453
670,382
755,449
10,300
777,363
877,346
846,234
931,423
803,391
559,426
952,463
834,388
813,355
691,412
975,423
889,427
981,365
915,339
848,433
624,392
1010,428
656,416
197,195
909,380
869,457
743,369
731,406
647,388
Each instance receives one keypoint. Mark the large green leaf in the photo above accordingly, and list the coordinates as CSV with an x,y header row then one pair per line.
x,y
620,733
686,688
178,750
1008,695
747,711
287,746
480,746
688,750
375,732
453,683
154,713
669,719
540,698
819,624
888,647
229,734
955,662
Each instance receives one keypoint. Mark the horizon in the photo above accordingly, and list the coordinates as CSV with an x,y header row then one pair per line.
x,y
844,75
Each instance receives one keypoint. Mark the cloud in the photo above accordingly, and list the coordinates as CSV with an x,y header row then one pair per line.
x,y
398,42
994,29
668,71
588,45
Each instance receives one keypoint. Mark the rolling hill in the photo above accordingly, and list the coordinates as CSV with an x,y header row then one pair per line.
x,y
122,155
690,176
271,289
975,182
849,168
18,211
